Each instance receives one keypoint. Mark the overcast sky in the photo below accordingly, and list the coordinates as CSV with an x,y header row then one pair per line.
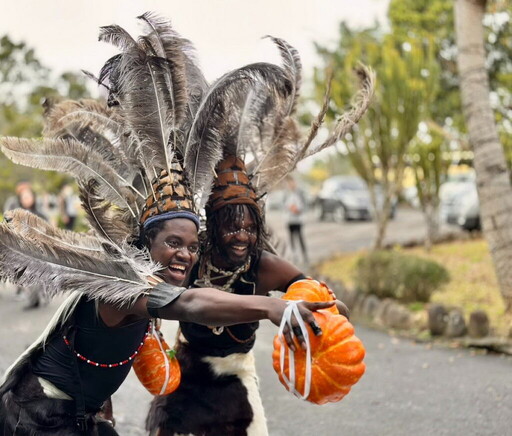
x,y
226,33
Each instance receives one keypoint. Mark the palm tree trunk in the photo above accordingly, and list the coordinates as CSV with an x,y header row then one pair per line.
x,y
493,180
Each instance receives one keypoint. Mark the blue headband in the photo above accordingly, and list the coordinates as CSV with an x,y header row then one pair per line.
x,y
172,215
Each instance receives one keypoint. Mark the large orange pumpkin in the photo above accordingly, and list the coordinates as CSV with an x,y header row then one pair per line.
x,y
336,358
310,290
156,365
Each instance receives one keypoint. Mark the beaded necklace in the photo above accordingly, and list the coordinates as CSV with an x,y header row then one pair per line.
x,y
233,275
206,281
109,365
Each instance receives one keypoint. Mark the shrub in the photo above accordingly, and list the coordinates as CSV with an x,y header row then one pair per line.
x,y
388,274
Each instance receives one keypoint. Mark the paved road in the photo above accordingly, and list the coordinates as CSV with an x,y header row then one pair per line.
x,y
408,389
327,238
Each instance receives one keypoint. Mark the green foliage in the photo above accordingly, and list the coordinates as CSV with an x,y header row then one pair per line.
x,y
429,165
423,19
389,274
420,19
416,306
407,83
24,84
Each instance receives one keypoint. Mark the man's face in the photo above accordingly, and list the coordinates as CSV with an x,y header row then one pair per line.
x,y
176,247
237,239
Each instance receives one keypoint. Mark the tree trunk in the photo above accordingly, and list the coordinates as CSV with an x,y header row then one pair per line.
x,y
431,215
493,181
382,218
382,224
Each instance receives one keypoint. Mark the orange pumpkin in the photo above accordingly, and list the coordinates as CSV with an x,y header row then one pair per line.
x,y
156,365
336,357
310,290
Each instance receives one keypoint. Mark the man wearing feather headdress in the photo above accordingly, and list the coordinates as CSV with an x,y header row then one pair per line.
x,y
128,159
245,130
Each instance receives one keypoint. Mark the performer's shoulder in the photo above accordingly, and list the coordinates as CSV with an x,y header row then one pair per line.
x,y
274,272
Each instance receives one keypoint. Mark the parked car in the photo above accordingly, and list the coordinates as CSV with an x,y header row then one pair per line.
x,y
459,201
469,213
275,200
346,198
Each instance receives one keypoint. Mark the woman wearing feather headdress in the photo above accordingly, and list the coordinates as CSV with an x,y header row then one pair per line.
x,y
245,122
127,157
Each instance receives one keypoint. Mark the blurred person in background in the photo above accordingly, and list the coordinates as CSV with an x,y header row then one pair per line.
x,y
25,198
295,207
68,205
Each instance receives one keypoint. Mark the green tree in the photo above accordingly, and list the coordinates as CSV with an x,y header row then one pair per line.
x,y
430,166
24,84
378,147
434,19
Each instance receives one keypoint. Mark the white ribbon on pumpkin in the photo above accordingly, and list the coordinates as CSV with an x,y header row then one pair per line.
x,y
290,310
156,334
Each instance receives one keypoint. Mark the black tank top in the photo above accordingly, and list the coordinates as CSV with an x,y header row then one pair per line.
x,y
238,338
96,342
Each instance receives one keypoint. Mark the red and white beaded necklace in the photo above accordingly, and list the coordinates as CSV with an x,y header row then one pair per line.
x,y
109,365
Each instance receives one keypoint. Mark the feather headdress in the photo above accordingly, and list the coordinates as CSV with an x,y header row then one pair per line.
x,y
246,123
127,157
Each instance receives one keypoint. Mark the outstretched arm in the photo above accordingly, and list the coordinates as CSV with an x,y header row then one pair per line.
x,y
213,307
210,306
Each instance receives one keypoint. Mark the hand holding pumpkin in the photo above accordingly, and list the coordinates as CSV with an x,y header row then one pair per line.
x,y
306,310
311,290
336,355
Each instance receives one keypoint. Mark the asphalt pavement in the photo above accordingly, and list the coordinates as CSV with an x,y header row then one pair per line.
x,y
408,388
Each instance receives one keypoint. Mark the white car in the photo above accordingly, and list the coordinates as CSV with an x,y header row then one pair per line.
x,y
459,201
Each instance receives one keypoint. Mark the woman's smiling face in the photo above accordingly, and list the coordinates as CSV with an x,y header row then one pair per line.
x,y
176,248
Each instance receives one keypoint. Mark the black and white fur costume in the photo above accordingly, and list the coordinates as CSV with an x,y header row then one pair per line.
x,y
29,405
219,392
247,114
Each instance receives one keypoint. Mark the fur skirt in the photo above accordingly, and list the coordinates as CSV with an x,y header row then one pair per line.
x,y
217,396
26,411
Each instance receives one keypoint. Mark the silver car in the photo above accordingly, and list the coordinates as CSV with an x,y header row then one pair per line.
x,y
344,198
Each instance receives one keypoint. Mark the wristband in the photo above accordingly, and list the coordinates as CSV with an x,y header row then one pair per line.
x,y
162,295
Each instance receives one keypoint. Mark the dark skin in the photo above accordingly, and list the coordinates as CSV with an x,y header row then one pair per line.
x,y
174,247
205,306
237,241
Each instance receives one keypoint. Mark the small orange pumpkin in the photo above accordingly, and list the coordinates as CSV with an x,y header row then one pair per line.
x,y
156,365
310,290
336,357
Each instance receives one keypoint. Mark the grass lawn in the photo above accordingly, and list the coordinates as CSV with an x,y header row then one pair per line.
x,y
472,285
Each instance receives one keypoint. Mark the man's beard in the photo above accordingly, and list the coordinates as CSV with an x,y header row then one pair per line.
x,y
231,262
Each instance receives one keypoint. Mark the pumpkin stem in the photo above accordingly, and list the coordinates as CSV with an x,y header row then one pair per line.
x,y
170,353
